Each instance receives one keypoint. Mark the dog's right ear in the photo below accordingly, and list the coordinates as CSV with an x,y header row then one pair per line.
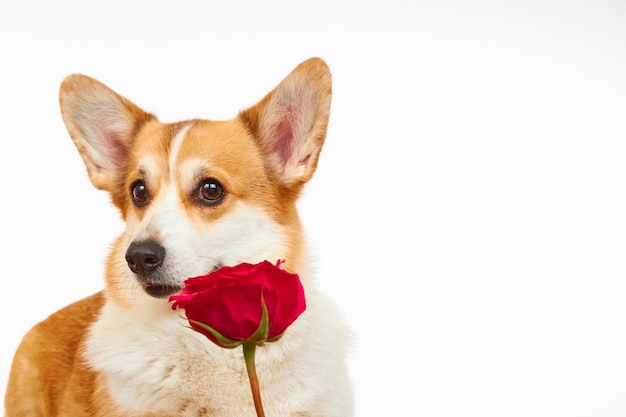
x,y
290,122
102,125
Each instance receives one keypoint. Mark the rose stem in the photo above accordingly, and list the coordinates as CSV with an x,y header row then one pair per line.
x,y
248,354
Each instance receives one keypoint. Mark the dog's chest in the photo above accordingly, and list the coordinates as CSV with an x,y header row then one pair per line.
x,y
161,366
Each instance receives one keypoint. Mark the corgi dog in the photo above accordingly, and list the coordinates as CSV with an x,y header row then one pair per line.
x,y
194,195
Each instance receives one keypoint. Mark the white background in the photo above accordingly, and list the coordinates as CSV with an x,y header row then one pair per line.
x,y
469,209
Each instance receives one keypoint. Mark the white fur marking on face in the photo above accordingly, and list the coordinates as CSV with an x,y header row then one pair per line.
x,y
169,201
246,234
174,149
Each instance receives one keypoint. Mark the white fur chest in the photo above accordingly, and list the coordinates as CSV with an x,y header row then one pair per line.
x,y
155,364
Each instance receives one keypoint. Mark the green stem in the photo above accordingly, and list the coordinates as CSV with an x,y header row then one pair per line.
x,y
249,349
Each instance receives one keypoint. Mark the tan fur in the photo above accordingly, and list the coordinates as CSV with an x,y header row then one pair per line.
x,y
76,363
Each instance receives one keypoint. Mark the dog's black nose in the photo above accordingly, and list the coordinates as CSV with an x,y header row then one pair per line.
x,y
145,256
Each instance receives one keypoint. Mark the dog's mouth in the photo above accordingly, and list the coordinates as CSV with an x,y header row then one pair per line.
x,y
160,290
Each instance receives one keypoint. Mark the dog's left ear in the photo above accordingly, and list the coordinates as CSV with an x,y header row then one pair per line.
x,y
290,122
102,125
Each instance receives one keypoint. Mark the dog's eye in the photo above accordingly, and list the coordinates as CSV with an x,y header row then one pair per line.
x,y
210,191
139,193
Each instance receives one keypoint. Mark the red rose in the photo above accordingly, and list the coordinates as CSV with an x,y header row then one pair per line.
x,y
243,305
231,301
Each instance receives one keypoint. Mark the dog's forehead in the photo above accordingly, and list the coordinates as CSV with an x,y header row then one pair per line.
x,y
218,143
188,151
215,149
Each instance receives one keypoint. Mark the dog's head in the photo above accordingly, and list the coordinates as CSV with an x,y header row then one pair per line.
x,y
199,194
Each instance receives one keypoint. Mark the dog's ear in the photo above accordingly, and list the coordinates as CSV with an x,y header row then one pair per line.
x,y
102,125
290,122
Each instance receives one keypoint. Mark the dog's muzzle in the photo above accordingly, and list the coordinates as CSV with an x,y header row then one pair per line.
x,y
145,258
